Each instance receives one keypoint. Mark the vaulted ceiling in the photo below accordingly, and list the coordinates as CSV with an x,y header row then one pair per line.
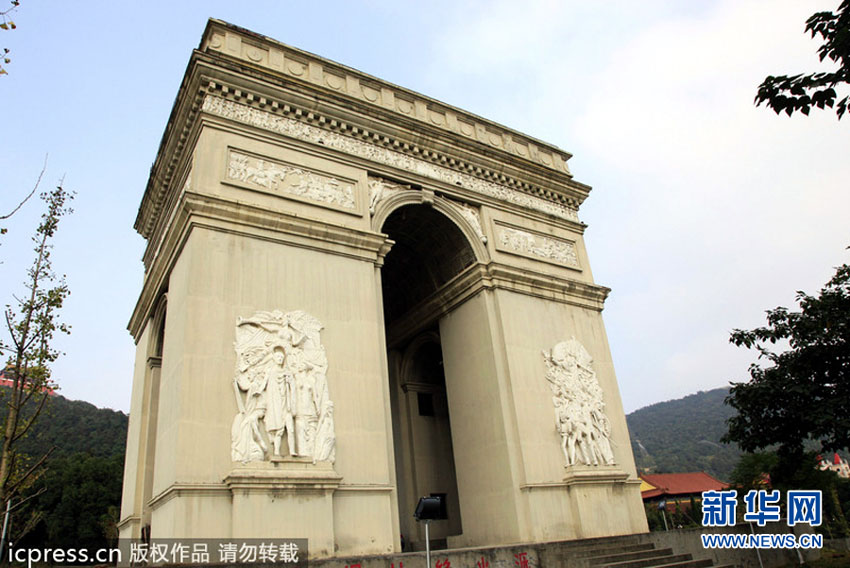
x,y
429,251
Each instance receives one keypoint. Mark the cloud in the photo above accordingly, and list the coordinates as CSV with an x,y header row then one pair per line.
x,y
706,210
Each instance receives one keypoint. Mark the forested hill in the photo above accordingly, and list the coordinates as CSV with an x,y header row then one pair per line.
x,y
75,503
684,435
675,436
74,427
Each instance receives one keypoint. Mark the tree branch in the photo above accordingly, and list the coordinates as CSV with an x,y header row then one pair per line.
x,y
31,193
11,488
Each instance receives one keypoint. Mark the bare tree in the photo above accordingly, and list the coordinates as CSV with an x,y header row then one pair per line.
x,y
25,199
31,322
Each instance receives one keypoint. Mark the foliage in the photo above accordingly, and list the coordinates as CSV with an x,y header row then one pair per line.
x,y
802,472
801,92
6,25
678,515
766,470
801,394
753,471
77,503
653,516
805,391
684,435
31,325
75,427
89,458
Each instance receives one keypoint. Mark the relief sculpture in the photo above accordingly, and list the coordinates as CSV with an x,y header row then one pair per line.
x,y
279,177
579,409
539,246
291,127
380,189
281,390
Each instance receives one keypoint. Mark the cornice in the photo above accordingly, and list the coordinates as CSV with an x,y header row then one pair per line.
x,y
207,212
127,521
548,287
317,479
383,128
171,152
177,489
270,57
314,128
281,93
601,476
455,292
494,276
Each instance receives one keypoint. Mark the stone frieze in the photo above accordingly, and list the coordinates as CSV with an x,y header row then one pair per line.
x,y
535,245
290,127
277,177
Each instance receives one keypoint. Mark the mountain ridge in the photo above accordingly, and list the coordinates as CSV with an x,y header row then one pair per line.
x,y
683,435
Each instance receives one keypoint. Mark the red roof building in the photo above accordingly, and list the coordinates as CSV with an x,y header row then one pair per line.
x,y
5,381
678,485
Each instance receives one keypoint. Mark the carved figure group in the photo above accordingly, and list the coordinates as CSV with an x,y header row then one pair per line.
x,y
580,417
281,389
289,179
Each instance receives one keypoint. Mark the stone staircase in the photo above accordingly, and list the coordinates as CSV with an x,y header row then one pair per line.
x,y
627,551
620,552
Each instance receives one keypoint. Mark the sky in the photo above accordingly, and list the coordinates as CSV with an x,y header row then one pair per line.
x,y
705,212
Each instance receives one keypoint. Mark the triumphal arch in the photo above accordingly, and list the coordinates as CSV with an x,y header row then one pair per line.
x,y
356,296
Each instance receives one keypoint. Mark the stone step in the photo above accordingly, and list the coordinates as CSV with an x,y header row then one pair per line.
x,y
599,542
702,563
650,562
623,556
600,550
576,554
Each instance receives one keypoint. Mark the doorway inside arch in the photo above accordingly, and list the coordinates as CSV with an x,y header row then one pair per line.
x,y
430,251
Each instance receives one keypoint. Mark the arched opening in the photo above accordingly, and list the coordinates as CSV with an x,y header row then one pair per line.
x,y
429,252
150,412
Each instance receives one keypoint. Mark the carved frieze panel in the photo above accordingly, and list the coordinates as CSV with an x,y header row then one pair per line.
x,y
279,178
281,390
538,246
290,127
580,416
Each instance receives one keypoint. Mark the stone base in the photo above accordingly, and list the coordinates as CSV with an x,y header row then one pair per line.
x,y
604,501
594,475
589,502
290,498
284,473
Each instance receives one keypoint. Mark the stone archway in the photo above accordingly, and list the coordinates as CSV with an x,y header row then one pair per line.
x,y
430,251
288,185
